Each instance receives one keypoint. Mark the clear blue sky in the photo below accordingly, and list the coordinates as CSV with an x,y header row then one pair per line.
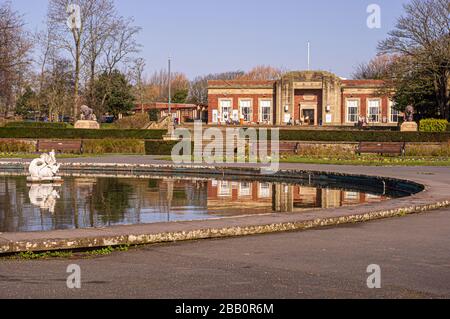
x,y
210,36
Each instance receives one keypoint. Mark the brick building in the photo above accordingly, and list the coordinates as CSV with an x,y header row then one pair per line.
x,y
311,98
181,112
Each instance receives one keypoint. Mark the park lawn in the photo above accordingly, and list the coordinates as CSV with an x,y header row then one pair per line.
x,y
359,161
369,161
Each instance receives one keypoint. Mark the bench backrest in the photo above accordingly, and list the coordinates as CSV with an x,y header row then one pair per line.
x,y
394,147
62,145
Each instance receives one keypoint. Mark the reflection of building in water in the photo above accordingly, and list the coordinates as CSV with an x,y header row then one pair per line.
x,y
228,197
234,197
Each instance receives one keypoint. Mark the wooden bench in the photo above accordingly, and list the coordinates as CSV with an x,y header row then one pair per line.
x,y
61,146
289,148
382,148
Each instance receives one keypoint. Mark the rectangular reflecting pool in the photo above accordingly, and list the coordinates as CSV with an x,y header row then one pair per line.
x,y
87,202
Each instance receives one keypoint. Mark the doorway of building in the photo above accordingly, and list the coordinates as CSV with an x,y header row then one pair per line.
x,y
308,117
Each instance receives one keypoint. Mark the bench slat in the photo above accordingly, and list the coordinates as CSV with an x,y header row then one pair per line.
x,y
381,148
60,146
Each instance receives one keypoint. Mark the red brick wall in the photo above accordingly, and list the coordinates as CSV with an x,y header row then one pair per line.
x,y
299,97
363,105
214,103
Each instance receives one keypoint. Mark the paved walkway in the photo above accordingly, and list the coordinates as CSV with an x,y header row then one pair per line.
x,y
413,253
437,194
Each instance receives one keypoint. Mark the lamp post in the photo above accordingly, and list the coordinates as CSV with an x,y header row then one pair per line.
x,y
170,88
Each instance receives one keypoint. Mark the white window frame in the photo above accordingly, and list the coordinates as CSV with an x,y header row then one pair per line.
x,y
245,191
261,106
230,110
393,112
347,108
250,107
224,189
264,190
369,107
351,196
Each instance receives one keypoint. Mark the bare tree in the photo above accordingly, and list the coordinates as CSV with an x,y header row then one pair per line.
x,y
262,72
101,42
376,69
121,44
57,91
158,85
15,46
99,28
74,40
423,36
136,75
118,48
198,91
47,52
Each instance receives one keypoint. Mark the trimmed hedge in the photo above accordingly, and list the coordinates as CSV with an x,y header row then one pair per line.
x,y
113,146
363,136
7,146
137,121
33,133
433,125
159,147
37,125
285,135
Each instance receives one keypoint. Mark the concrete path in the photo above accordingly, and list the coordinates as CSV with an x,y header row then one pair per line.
x,y
413,253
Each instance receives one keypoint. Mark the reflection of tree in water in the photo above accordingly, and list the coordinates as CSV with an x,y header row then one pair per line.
x,y
110,198
11,204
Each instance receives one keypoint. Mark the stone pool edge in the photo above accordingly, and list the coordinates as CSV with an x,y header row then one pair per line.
x,y
218,228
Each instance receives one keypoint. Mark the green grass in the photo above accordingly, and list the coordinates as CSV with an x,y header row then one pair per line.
x,y
370,160
44,255
68,254
358,160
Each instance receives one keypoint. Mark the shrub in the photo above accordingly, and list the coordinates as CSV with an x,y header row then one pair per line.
x,y
137,121
8,146
113,146
433,125
17,132
442,150
154,115
326,150
160,147
36,125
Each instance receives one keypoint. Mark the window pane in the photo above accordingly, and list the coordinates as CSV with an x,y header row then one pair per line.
x,y
395,114
246,110
266,107
374,111
352,111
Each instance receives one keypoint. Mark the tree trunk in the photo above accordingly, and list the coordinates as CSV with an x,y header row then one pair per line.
x,y
77,75
443,95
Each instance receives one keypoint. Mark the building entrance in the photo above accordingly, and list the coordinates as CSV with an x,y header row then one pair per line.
x,y
308,117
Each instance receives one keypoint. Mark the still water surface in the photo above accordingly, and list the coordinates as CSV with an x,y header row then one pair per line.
x,y
89,202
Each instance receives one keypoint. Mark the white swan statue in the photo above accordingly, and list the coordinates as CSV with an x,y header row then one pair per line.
x,y
44,169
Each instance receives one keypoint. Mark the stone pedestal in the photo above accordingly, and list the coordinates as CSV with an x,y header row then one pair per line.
x,y
409,127
170,136
91,125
